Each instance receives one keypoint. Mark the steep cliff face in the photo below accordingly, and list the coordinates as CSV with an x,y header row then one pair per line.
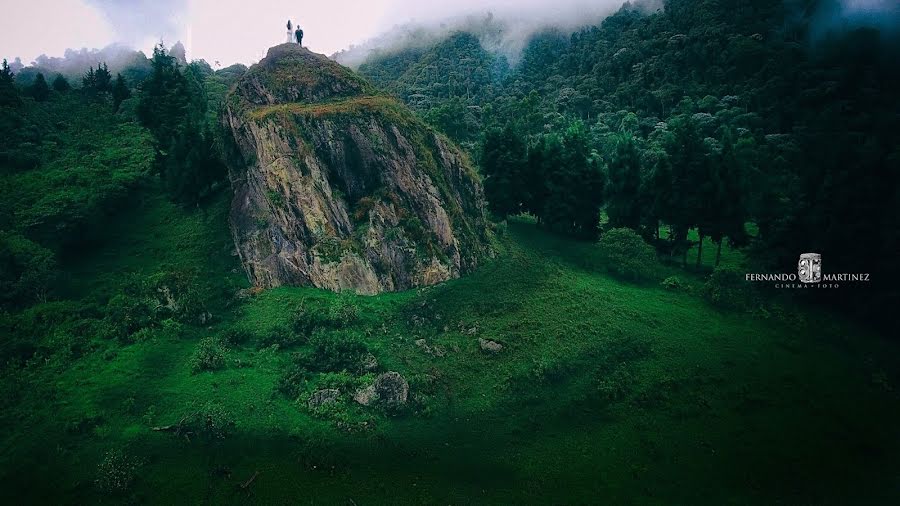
x,y
339,187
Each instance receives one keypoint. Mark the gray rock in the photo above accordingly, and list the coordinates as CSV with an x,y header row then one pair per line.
x,y
323,397
431,349
369,363
365,396
490,346
388,389
304,127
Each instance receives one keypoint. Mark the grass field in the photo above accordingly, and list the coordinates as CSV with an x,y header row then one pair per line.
x,y
605,392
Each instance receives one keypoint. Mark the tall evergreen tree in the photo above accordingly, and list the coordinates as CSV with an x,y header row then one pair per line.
x,y
172,108
623,193
120,92
575,184
39,89
730,203
503,160
61,84
688,159
656,190
89,79
9,94
102,78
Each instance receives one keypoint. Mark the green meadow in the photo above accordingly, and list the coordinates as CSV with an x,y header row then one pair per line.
x,y
604,392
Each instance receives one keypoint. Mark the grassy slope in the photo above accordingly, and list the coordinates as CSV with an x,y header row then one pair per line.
x,y
605,392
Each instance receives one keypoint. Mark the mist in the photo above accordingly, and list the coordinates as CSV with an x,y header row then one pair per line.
x,y
838,16
224,32
503,26
235,31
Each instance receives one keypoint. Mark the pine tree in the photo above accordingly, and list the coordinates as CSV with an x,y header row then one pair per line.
x,y
656,190
503,161
624,205
89,80
102,79
9,94
60,84
39,90
688,159
172,106
120,92
574,182
730,209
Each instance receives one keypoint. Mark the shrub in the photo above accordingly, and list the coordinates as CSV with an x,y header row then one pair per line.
x,y
127,314
236,335
27,270
343,310
307,319
209,355
626,254
616,385
214,421
116,472
283,336
292,381
336,351
334,314
673,283
726,288
175,294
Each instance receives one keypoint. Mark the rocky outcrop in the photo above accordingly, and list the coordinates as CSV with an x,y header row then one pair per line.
x,y
339,187
320,398
389,389
490,346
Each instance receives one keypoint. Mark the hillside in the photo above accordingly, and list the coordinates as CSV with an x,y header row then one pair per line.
x,y
698,114
632,383
445,279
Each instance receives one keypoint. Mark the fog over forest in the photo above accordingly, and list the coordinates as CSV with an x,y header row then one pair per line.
x,y
207,28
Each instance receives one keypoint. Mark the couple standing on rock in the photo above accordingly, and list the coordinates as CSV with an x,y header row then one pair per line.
x,y
298,34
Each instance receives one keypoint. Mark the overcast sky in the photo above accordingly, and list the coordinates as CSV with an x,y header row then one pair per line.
x,y
231,31
236,30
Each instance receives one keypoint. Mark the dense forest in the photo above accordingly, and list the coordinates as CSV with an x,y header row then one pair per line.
x,y
608,349
747,122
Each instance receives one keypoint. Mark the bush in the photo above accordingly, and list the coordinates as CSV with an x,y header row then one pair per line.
x,y
615,386
214,421
673,283
27,270
235,336
175,294
209,355
343,310
726,288
127,314
335,351
626,254
292,381
306,319
336,313
116,472
283,336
